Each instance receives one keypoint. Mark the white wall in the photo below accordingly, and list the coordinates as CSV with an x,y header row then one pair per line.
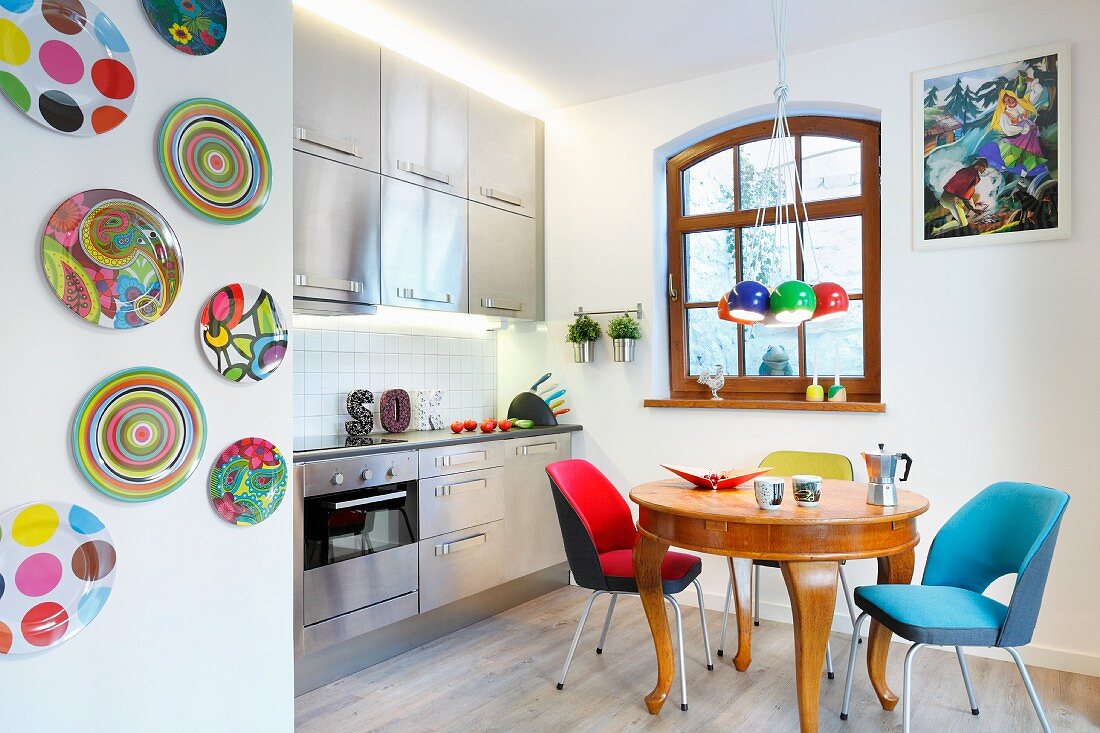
x,y
987,354
196,634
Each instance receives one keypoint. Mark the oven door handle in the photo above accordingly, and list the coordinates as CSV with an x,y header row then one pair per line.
x,y
364,502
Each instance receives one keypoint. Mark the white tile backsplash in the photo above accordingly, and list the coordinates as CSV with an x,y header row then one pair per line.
x,y
340,353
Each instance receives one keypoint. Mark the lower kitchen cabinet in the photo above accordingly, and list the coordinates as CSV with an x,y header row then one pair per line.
x,y
532,538
460,564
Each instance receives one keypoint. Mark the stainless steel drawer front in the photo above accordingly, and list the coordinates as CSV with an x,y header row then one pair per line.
x,y
364,620
334,590
453,502
460,564
461,458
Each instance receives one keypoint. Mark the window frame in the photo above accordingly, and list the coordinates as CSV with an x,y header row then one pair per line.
x,y
868,205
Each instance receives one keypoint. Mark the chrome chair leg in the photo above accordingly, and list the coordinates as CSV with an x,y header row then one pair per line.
x,y
852,610
703,620
851,666
607,622
577,636
756,595
725,617
1030,688
680,651
829,659
907,687
966,681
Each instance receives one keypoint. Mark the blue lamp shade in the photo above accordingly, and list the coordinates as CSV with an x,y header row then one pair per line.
x,y
748,302
793,302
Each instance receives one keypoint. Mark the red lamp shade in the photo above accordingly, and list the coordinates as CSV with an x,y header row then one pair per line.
x,y
832,301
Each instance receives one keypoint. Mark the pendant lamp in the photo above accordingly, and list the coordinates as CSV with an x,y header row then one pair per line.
x,y
793,302
832,301
747,303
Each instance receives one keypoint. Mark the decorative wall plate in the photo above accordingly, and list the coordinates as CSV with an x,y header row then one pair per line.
x,y
215,161
194,27
57,568
242,332
139,434
65,64
112,259
729,479
248,482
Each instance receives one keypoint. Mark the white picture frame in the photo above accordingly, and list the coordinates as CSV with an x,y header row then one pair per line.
x,y
971,119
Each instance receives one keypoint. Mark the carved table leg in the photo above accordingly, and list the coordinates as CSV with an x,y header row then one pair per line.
x,y
895,569
812,587
741,573
648,556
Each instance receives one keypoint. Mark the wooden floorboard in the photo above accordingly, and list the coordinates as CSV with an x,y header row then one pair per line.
x,y
499,675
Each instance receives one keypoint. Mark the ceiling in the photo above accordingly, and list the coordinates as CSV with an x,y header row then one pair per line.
x,y
574,51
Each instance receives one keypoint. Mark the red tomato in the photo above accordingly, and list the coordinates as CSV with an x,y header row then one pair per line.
x,y
456,426
470,425
505,425
489,426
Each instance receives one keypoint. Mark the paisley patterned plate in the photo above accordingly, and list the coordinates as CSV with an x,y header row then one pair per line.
x,y
193,27
57,567
112,259
66,65
248,482
242,332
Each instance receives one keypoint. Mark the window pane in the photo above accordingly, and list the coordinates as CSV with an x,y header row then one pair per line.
x,y
711,264
760,182
771,352
710,342
708,185
768,254
830,168
846,333
838,244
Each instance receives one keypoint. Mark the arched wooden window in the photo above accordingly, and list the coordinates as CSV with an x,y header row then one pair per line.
x,y
714,188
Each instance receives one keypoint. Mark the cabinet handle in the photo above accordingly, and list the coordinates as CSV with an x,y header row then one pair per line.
x,y
364,502
326,141
448,547
527,450
423,172
410,294
508,198
310,281
502,305
450,489
460,458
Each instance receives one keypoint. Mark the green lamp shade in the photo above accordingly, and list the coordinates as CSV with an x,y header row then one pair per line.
x,y
793,302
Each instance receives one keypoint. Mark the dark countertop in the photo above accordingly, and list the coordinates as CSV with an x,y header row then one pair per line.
x,y
417,439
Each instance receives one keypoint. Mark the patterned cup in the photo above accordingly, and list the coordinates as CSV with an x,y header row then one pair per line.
x,y
769,492
807,489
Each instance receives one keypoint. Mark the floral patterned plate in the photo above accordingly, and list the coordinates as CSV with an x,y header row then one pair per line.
x,y
243,333
194,27
248,482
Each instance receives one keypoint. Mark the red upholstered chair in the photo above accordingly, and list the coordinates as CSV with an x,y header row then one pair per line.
x,y
599,534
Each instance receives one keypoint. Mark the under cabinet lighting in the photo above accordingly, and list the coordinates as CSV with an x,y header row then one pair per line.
x,y
382,27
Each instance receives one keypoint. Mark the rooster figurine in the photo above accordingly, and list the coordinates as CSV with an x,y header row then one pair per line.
x,y
713,381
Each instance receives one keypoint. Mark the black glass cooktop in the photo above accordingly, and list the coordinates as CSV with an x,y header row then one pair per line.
x,y
328,442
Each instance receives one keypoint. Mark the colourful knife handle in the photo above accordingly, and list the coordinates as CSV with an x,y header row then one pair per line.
x,y
554,396
547,390
556,404
541,379
561,411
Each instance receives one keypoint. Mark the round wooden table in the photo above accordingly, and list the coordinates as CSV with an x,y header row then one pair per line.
x,y
807,542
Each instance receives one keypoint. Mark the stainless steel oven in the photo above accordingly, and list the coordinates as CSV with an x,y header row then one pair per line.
x,y
357,551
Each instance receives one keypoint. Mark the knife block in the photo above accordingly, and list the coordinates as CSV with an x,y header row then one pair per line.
x,y
529,406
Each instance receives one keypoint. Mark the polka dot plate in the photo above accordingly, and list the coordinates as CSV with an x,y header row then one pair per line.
x,y
215,161
139,434
57,568
66,65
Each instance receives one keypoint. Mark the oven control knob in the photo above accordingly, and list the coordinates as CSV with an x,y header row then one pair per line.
x,y
367,474
337,478
391,472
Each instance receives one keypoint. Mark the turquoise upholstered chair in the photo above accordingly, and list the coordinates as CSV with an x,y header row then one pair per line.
x,y
1007,528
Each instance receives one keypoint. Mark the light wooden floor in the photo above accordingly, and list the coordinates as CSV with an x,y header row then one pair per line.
x,y
499,675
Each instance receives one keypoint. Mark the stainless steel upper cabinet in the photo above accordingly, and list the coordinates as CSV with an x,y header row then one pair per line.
x,y
337,92
503,263
502,156
336,235
423,126
423,248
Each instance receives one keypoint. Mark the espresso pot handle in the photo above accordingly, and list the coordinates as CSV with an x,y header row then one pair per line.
x,y
908,465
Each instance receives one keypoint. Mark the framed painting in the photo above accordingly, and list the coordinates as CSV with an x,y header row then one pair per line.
x,y
991,150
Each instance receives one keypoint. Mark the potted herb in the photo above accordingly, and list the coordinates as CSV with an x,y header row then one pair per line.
x,y
582,333
624,331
